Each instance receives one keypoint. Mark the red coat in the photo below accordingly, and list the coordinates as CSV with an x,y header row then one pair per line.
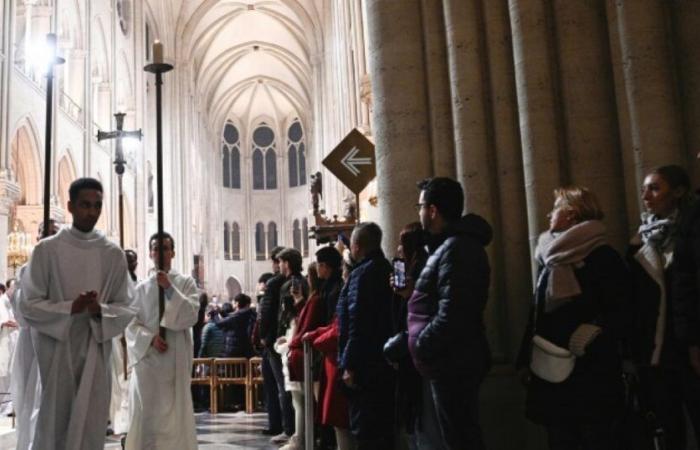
x,y
332,401
308,319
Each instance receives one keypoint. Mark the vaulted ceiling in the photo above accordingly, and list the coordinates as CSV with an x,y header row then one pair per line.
x,y
252,58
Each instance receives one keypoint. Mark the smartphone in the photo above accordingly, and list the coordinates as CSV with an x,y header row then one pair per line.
x,y
399,273
296,285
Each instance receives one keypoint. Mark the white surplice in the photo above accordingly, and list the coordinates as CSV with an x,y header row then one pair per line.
x,y
25,386
73,350
162,417
8,341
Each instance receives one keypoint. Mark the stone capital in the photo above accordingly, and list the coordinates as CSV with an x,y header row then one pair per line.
x,y
9,191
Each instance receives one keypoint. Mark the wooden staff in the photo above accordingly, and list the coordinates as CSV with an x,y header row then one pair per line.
x,y
158,67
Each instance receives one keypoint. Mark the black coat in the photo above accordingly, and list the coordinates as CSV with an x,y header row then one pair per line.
x,y
269,310
329,293
364,317
238,328
446,329
685,279
593,391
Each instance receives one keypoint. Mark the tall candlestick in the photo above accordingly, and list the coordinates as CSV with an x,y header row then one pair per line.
x,y
157,52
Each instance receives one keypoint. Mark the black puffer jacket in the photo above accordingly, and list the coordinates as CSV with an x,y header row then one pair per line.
x,y
445,314
237,328
269,310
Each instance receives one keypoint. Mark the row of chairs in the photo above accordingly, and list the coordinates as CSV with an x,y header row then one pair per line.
x,y
218,373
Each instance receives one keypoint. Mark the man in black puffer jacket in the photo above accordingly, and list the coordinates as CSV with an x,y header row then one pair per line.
x,y
364,325
447,338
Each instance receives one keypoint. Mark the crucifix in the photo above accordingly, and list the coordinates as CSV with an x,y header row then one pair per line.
x,y
158,67
119,162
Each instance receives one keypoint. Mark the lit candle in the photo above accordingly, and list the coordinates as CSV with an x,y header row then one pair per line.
x,y
157,52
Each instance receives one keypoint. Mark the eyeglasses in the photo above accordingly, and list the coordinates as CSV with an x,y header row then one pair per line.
x,y
420,206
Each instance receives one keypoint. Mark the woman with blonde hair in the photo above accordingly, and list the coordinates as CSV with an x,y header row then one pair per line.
x,y
571,342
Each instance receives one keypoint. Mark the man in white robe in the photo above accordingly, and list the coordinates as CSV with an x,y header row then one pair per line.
x,y
119,403
162,417
8,340
74,299
25,385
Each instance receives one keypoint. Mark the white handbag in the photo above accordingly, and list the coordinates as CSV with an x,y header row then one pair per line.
x,y
551,362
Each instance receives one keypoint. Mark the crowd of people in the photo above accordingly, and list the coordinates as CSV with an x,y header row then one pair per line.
x,y
610,358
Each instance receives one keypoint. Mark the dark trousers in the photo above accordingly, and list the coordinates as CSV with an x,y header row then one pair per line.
x,y
285,398
456,402
371,410
668,391
582,437
272,402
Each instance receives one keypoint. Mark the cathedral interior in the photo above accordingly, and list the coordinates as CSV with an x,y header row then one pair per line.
x,y
512,98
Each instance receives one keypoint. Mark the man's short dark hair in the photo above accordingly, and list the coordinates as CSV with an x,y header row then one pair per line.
x,y
330,256
274,253
242,300
293,258
368,236
446,194
266,276
82,184
166,235
226,309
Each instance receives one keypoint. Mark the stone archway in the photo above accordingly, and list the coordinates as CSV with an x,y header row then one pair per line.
x,y
233,287
26,170
66,175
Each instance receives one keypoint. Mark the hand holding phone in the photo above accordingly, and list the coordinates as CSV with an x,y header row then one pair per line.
x,y
399,273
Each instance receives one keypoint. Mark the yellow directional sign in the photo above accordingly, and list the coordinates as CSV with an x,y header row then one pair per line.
x,y
352,161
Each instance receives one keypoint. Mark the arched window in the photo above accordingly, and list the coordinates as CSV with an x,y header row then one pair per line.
x,y
232,156
264,172
296,156
227,242
227,167
235,242
260,242
258,170
305,235
271,236
296,235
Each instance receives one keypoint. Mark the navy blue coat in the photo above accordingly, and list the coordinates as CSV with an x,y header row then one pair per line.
x,y
238,328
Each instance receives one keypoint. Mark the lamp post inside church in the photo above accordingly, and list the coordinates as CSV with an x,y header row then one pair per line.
x,y
119,162
52,60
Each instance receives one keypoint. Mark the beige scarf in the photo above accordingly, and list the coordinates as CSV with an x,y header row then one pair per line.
x,y
562,253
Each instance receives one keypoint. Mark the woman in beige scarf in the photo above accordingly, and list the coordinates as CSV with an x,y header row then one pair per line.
x,y
579,298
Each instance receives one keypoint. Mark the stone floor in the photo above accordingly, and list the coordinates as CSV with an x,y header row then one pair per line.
x,y
235,431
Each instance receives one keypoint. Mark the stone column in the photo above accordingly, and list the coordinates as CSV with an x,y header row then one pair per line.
x,y
9,194
650,86
587,94
515,252
538,108
437,77
400,119
8,22
473,133
686,23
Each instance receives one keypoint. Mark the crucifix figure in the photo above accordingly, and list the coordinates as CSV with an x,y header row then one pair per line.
x,y
119,162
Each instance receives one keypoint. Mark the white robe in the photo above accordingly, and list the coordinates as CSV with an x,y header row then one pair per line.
x,y
25,386
8,341
119,400
162,417
73,350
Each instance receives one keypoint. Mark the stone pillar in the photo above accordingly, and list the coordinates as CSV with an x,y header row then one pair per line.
x,y
8,22
587,94
9,194
76,78
400,119
538,110
655,122
516,285
686,23
473,133
437,77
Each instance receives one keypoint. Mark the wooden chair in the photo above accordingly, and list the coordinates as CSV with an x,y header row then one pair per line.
x,y
252,391
231,372
204,374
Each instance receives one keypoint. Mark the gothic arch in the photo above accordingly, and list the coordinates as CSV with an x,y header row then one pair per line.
x,y
64,177
25,162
